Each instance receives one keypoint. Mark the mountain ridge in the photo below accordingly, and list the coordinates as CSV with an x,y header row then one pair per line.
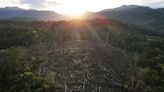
x,y
142,16
145,17
16,12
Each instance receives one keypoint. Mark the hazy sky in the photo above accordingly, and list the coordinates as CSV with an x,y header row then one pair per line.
x,y
64,6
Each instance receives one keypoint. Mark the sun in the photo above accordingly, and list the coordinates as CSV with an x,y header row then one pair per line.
x,y
76,14
72,9
73,12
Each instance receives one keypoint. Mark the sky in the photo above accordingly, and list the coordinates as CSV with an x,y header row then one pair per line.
x,y
77,6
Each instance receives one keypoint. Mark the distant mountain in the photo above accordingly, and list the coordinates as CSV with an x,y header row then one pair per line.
x,y
139,15
126,8
15,13
142,16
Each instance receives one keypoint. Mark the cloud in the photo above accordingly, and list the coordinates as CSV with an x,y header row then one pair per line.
x,y
12,3
34,3
88,5
40,4
153,3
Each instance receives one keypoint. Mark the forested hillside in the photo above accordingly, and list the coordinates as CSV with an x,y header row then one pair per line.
x,y
99,55
142,16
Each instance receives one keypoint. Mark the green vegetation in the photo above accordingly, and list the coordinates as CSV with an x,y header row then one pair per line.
x,y
92,55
